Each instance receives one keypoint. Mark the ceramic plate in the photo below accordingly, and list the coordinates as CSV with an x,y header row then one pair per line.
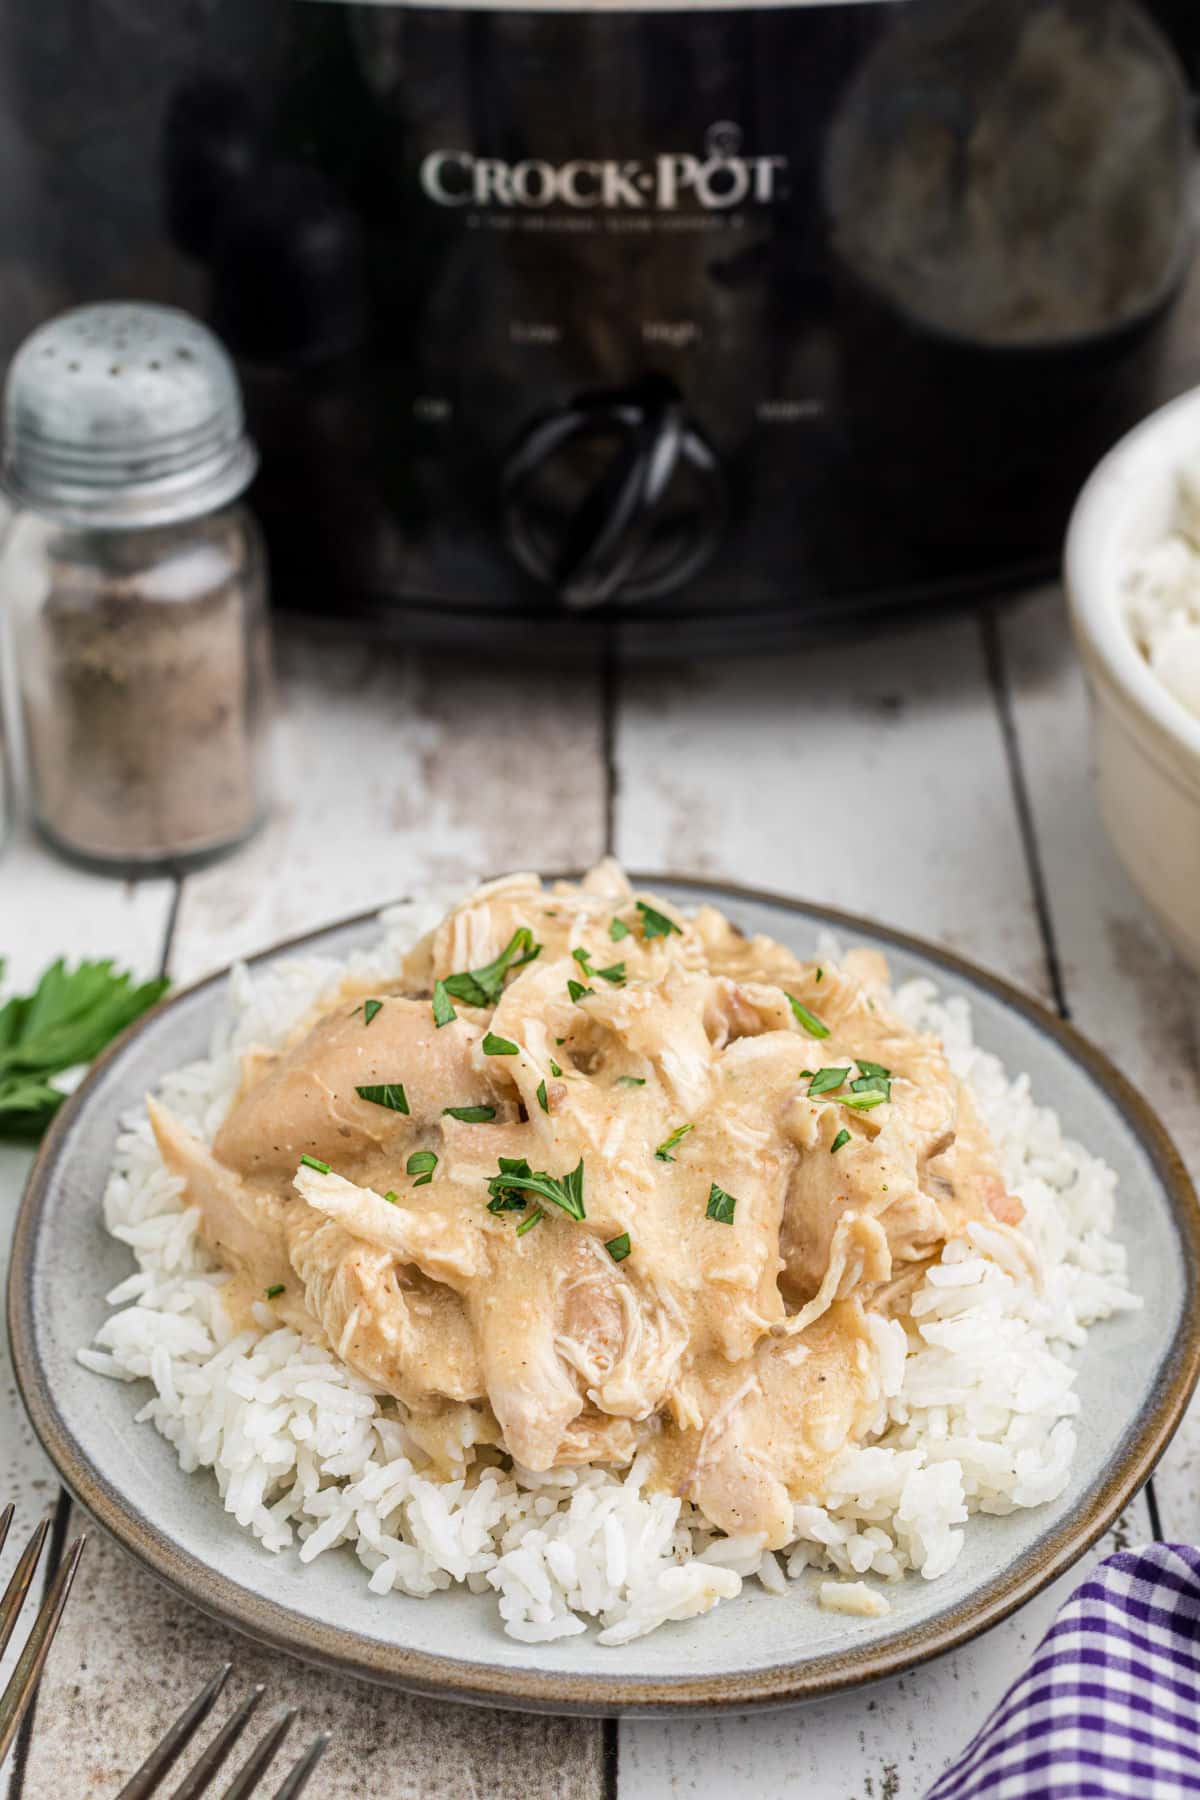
x,y
1134,1381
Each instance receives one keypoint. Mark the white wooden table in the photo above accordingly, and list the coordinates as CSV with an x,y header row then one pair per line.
x,y
934,776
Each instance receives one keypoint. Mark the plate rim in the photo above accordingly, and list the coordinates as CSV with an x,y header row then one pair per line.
x,y
447,1677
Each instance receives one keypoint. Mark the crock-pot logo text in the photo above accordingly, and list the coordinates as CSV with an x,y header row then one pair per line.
x,y
714,181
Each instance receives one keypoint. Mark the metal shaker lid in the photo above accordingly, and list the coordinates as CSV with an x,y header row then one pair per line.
x,y
124,415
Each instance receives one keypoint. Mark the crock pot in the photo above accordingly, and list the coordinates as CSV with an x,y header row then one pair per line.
x,y
708,325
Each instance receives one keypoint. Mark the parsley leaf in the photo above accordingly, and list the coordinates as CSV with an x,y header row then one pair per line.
x,y
67,1020
388,1093
631,1081
663,1152
443,1008
421,1163
619,1247
618,930
516,1179
826,1079
861,1102
578,992
498,1046
655,923
541,1094
313,1162
470,1115
554,1068
273,1293
583,958
842,1138
720,1205
370,1008
535,1218
482,987
615,973
815,1027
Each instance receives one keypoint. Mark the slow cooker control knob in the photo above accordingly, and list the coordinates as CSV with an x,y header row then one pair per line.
x,y
618,496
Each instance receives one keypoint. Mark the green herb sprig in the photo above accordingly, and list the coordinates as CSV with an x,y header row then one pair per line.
x,y
66,1021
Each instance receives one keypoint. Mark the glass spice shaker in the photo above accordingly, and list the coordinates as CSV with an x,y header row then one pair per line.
x,y
136,589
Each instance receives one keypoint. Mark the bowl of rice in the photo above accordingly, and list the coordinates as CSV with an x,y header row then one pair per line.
x,y
1132,570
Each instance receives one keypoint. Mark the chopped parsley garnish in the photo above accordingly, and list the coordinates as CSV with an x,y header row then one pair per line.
x,y
578,992
541,1094
392,1197
872,1078
443,1006
618,930
720,1205
470,1115
482,987
498,1046
311,1162
370,1008
815,1027
554,1068
655,923
583,958
820,975
861,1102
515,1179
535,1218
619,1247
631,1081
842,1138
388,1093
273,1293
664,1150
421,1163
826,1079
615,973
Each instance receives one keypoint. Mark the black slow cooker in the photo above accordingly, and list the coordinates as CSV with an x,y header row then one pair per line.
x,y
708,325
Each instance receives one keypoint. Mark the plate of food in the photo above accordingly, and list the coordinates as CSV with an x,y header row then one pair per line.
x,y
605,1295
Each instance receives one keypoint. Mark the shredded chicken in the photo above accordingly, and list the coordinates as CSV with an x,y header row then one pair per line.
x,y
682,1171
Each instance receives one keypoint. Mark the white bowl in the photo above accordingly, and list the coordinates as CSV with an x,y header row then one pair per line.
x,y
1146,743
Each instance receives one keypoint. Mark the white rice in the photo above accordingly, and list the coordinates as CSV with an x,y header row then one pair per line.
x,y
1162,596
974,1411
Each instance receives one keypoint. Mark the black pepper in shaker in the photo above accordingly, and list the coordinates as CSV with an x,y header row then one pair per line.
x,y
136,586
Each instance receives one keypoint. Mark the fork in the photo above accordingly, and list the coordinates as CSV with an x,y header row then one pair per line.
x,y
22,1683
204,1770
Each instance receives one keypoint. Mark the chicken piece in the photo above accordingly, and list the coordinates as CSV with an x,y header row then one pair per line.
x,y
242,1224
773,1424
394,1326
308,1104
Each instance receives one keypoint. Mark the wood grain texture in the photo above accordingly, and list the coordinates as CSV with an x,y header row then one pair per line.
x,y
47,909
878,782
869,775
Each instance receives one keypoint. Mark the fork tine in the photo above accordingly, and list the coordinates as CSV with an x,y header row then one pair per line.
x,y
18,1585
246,1780
6,1519
170,1748
296,1782
201,1773
23,1681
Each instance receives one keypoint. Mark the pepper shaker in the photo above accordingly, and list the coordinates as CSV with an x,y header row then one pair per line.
x,y
136,585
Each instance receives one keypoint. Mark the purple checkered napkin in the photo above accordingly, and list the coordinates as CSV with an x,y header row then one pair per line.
x,y
1110,1704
